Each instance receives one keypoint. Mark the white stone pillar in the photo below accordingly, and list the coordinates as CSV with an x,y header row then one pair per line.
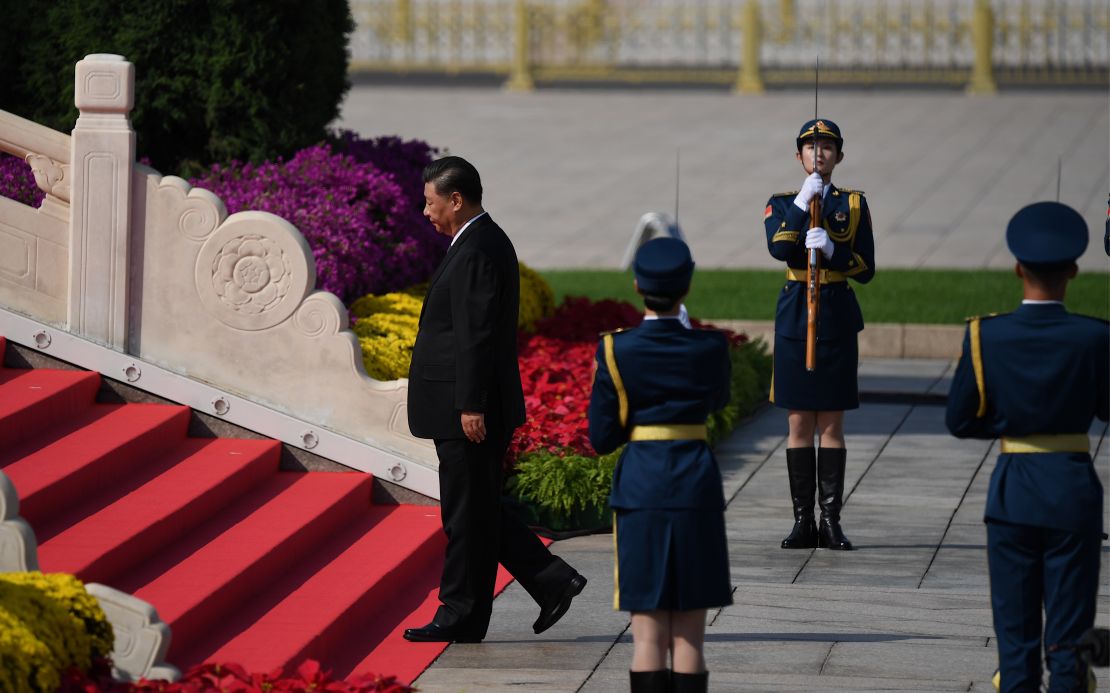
x,y
101,164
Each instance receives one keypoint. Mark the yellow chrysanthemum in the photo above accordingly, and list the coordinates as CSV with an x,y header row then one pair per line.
x,y
386,324
537,300
48,623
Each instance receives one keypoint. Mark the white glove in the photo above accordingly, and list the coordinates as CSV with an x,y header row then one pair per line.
x,y
812,187
818,237
684,317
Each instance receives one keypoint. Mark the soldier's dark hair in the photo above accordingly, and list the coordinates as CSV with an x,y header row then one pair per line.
x,y
1050,276
453,174
802,143
660,304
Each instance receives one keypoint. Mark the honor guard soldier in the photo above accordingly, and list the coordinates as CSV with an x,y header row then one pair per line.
x,y
817,399
1036,378
654,388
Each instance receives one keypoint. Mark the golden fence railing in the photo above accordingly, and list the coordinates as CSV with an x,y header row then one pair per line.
x,y
745,43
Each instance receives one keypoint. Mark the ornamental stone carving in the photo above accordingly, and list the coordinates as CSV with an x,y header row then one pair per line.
x,y
196,211
253,272
141,637
50,176
105,83
18,548
321,315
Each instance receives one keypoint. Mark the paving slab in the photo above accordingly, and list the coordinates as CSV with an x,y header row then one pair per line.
x,y
569,172
909,610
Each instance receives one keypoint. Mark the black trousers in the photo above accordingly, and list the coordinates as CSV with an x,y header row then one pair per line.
x,y
481,533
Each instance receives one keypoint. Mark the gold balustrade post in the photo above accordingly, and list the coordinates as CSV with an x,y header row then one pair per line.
x,y
520,79
982,37
749,81
402,27
789,19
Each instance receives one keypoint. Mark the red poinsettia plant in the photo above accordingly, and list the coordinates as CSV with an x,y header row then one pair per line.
x,y
309,677
557,368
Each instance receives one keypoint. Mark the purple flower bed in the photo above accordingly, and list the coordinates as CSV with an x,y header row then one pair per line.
x,y
17,182
359,203
361,211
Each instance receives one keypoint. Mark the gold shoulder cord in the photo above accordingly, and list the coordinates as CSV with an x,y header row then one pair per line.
x,y
977,366
854,213
622,400
622,395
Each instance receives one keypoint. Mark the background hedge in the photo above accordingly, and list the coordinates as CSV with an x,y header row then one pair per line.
x,y
215,80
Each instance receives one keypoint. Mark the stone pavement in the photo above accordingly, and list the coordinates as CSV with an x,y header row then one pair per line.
x,y
907,611
568,173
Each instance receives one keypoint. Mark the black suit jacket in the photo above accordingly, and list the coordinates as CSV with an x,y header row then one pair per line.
x,y
465,357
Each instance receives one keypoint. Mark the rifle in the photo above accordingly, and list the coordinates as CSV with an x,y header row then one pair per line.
x,y
813,269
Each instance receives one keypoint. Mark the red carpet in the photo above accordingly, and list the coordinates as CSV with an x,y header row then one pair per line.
x,y
246,563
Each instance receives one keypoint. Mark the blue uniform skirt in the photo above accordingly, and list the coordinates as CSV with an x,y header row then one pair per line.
x,y
832,386
671,560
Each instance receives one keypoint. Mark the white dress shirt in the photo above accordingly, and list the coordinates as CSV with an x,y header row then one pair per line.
x,y
460,231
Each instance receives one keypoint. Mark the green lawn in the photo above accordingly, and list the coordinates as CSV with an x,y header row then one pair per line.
x,y
900,296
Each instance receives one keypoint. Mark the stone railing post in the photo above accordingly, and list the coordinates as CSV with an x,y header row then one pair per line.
x,y
982,38
101,162
520,79
749,80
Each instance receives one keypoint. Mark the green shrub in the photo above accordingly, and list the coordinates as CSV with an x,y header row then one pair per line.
x,y
215,80
751,380
564,490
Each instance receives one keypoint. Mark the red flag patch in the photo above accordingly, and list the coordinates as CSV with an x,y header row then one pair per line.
x,y
767,212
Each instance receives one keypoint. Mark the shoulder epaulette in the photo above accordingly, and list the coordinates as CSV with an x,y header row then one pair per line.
x,y
850,190
616,331
983,317
792,193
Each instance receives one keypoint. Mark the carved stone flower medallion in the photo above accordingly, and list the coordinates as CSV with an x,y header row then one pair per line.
x,y
253,275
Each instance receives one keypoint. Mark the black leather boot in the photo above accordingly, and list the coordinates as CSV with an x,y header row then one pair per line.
x,y
801,466
690,683
830,479
650,681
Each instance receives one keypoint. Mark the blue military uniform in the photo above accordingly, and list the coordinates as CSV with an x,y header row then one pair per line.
x,y
1037,377
654,388
833,386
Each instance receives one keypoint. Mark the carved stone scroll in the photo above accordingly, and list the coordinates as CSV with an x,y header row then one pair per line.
x,y
18,549
141,638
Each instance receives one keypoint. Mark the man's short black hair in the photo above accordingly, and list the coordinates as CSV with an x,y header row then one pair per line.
x,y
660,304
1052,275
453,174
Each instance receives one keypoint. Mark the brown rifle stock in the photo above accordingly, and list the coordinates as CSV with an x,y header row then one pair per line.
x,y
813,288
813,267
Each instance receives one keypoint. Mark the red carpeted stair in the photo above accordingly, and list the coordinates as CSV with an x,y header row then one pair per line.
x,y
246,563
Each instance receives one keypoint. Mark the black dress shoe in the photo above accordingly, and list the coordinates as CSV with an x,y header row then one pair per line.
x,y
437,633
554,610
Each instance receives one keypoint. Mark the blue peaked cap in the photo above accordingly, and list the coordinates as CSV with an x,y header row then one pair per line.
x,y
822,128
1047,233
664,267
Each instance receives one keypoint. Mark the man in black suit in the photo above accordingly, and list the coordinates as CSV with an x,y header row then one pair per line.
x,y
465,394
